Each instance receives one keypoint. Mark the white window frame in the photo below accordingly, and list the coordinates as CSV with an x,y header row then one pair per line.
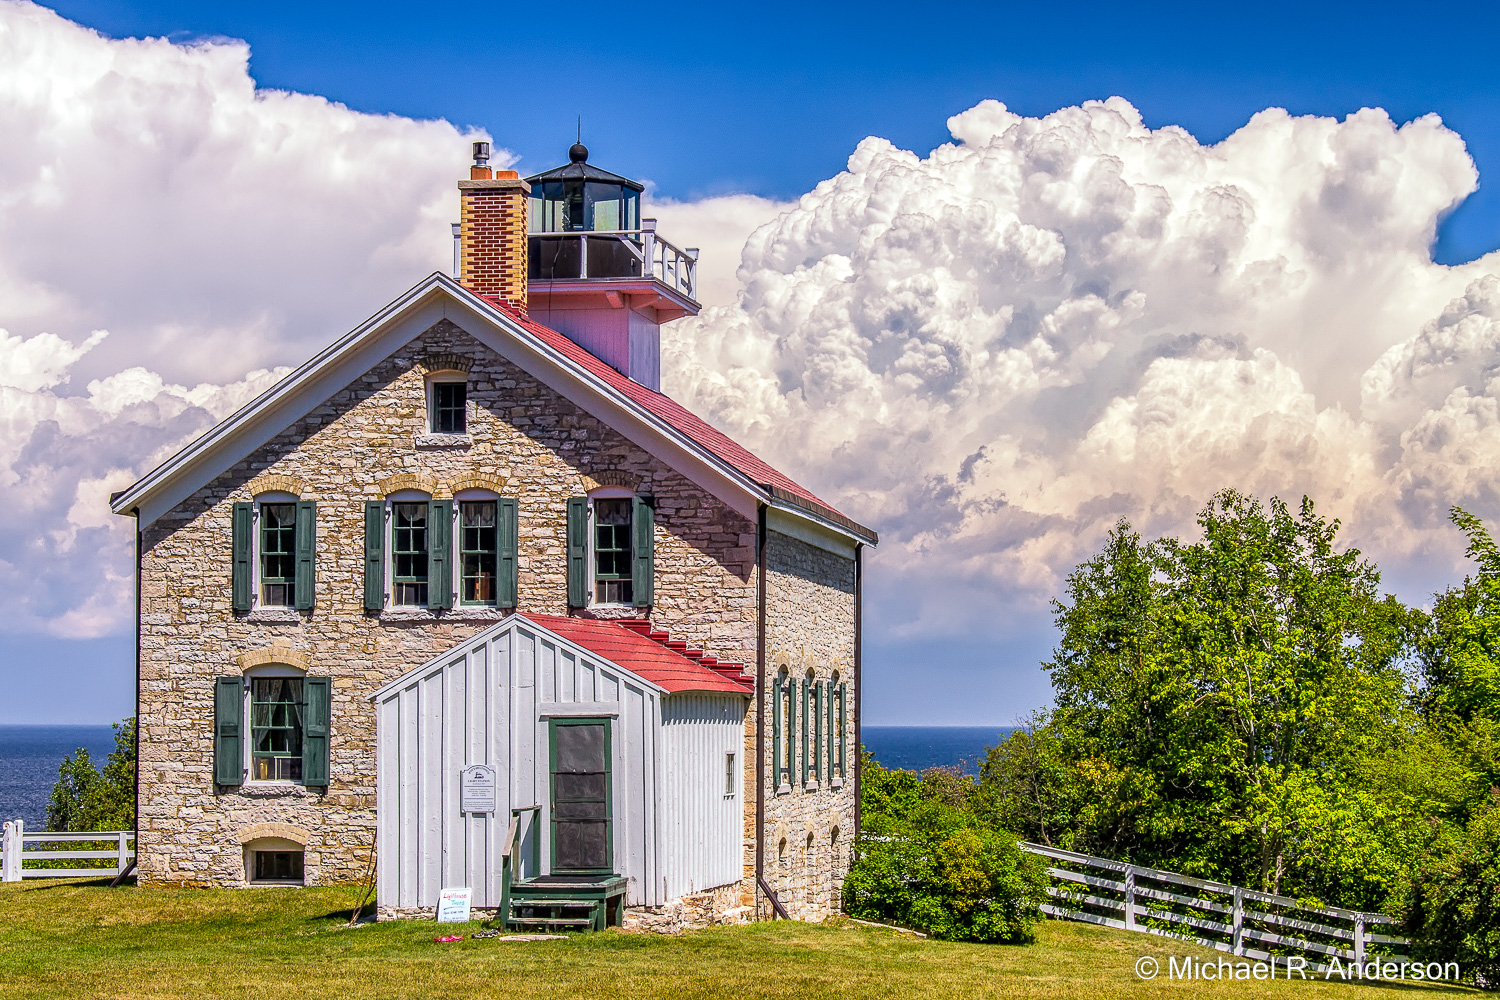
x,y
247,697
455,558
604,493
270,496
402,496
446,377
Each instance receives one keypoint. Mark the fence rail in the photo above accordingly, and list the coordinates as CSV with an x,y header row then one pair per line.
x,y
1230,918
14,854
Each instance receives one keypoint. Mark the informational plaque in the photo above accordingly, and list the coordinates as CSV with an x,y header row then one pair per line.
x,y
476,789
453,906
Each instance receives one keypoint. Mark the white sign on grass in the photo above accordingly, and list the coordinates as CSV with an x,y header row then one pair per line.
x,y
453,906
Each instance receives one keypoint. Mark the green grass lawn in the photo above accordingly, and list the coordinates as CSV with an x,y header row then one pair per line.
x,y
81,939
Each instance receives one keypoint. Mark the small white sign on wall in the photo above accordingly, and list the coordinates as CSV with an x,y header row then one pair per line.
x,y
476,789
453,906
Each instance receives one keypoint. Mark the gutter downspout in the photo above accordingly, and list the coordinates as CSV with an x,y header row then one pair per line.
x,y
760,702
859,689
136,831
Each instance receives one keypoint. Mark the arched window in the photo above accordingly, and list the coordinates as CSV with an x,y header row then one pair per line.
x,y
271,724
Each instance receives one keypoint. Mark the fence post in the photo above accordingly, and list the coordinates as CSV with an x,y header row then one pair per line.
x,y
1130,899
1359,940
12,868
1239,921
121,856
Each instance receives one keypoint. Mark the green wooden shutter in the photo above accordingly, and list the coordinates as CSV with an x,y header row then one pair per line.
x,y
374,555
307,537
776,733
806,728
815,759
439,554
242,531
829,694
315,712
507,545
643,555
229,719
578,541
843,734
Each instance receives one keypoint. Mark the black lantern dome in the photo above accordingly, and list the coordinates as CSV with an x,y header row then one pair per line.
x,y
579,197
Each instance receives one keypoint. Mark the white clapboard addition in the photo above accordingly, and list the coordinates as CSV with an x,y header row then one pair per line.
x,y
704,830
489,701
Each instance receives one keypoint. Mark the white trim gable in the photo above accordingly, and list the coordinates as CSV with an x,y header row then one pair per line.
x,y
515,621
435,298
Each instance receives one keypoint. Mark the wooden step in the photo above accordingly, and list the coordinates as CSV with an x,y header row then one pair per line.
x,y
555,921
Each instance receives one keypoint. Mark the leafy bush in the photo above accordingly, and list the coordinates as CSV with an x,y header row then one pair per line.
x,y
1452,909
927,862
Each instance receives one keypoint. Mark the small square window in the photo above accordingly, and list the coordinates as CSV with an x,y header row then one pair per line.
x,y
278,866
449,409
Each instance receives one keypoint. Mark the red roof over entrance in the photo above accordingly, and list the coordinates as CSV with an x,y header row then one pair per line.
x,y
650,654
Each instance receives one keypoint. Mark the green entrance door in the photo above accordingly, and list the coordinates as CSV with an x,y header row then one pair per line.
x,y
582,815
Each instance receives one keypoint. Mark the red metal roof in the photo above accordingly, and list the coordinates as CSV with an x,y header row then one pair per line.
x,y
638,650
682,419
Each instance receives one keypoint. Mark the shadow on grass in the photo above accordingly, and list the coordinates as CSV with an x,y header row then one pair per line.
x,y
46,885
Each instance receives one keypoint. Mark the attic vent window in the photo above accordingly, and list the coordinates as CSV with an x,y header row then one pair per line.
x,y
448,408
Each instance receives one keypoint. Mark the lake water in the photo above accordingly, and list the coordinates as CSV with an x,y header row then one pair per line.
x,y
29,757
913,748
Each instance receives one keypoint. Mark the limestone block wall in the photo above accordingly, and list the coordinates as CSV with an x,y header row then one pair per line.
x,y
809,828
365,441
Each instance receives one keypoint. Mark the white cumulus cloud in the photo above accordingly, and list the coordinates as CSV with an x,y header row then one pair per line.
x,y
994,351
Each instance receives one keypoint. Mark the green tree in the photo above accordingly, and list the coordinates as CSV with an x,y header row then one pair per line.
x,y
1221,706
84,799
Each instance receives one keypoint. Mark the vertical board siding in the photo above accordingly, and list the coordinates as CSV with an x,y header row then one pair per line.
x,y
482,704
703,830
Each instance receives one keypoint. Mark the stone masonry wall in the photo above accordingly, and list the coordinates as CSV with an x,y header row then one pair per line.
x,y
365,441
809,828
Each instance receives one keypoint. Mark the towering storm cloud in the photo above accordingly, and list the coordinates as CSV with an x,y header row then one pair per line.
x,y
996,351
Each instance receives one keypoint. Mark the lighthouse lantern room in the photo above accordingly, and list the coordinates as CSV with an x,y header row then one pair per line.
x,y
600,274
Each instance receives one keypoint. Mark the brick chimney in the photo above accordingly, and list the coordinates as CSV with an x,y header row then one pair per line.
x,y
492,231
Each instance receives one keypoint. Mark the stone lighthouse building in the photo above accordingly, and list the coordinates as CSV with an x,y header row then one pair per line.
x,y
466,593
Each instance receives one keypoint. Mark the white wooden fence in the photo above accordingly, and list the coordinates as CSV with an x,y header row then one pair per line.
x,y
14,855
1227,917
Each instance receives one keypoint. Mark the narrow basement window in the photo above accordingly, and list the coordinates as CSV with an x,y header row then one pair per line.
x,y
278,866
449,414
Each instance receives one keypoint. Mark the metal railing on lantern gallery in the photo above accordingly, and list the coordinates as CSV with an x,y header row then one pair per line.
x,y
1244,922
14,855
616,253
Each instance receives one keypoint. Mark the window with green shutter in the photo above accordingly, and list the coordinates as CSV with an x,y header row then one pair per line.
x,y
614,571
409,554
374,555
815,758
242,542
229,712
276,724
278,554
806,718
843,734
478,551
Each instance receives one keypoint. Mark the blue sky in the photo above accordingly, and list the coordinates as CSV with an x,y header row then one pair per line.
x,y
770,98
707,101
